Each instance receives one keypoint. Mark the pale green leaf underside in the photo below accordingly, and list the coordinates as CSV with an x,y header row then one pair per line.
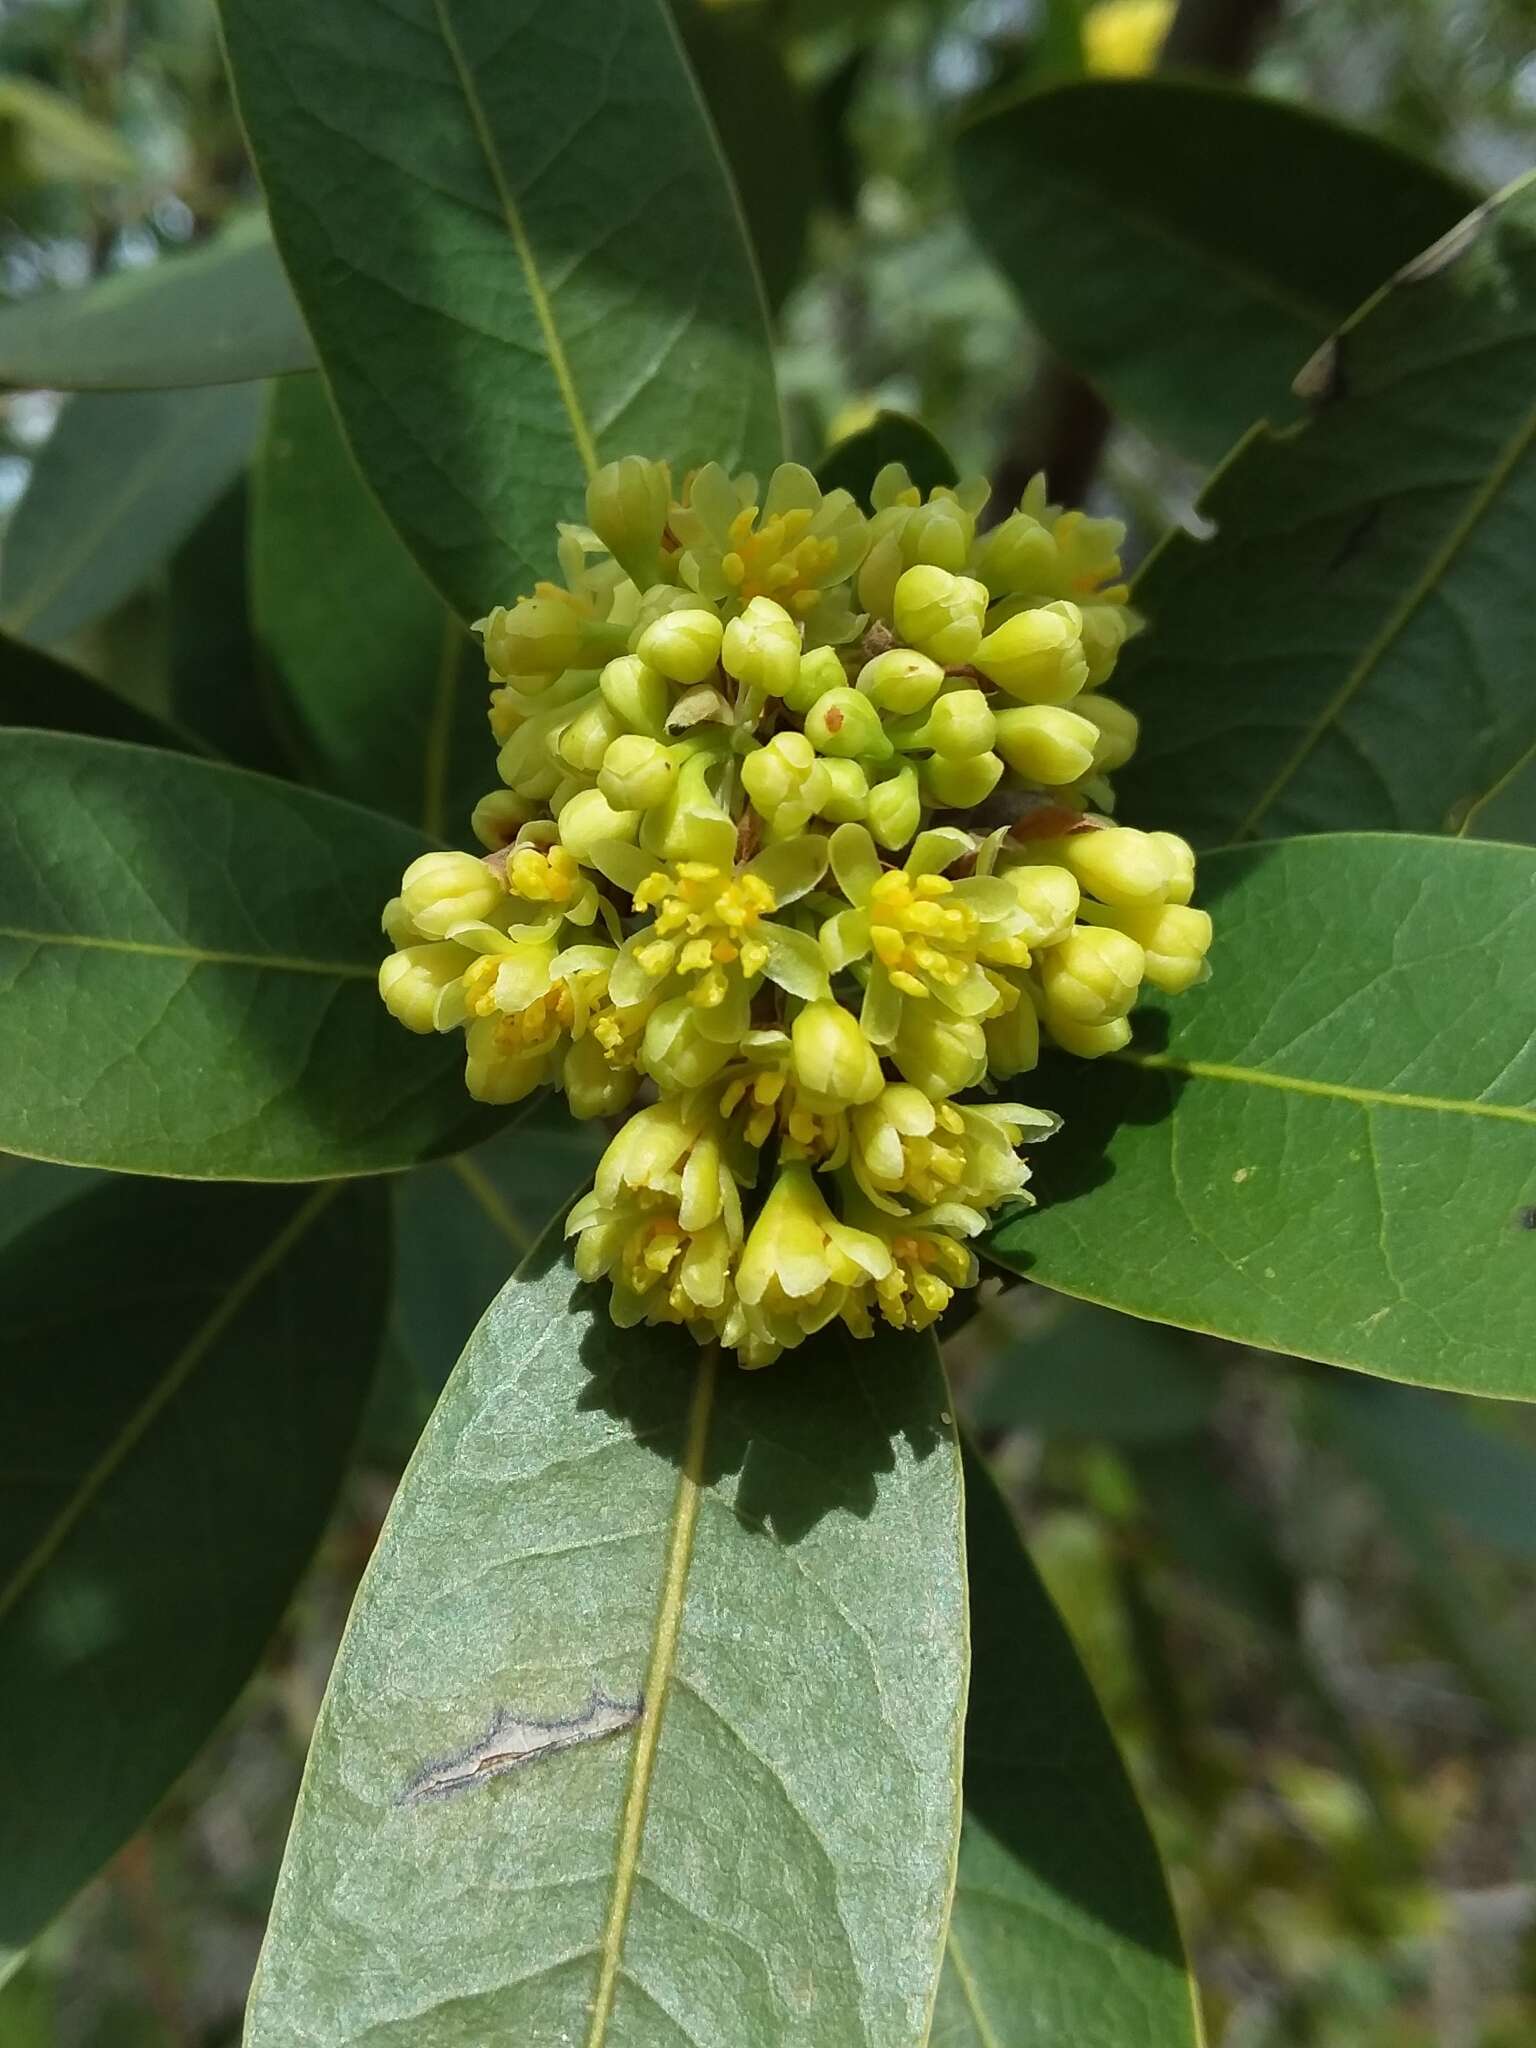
x,y
220,314
188,963
1334,1153
159,1499
775,1562
1354,644
514,241
1191,300
1062,1929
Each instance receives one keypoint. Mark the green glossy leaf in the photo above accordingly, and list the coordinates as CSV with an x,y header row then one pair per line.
x,y
184,1377
764,127
516,247
854,464
218,315
773,1563
1062,1929
37,690
1190,298
461,1228
1353,645
1082,1372
384,689
123,478
1328,1149
188,963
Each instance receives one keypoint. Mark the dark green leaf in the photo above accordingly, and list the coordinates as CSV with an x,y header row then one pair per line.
x,y
854,464
461,1228
764,127
1062,1929
518,252
218,315
1186,247
37,690
1328,1149
121,481
1086,1373
185,1375
31,1188
1353,646
384,688
215,688
773,1563
188,957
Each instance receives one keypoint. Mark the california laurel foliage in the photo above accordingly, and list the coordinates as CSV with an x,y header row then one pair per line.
x,y
682,1702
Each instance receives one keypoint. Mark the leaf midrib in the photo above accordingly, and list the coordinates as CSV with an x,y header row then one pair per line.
x,y
1341,1091
539,297
276,963
171,1381
658,1680
1429,580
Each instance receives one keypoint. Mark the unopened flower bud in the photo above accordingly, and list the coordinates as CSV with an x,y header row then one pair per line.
x,y
1013,1040
545,633
901,680
895,808
585,741
1092,976
1046,743
627,505
637,773
411,981
761,648
820,671
1089,1041
844,723
786,772
845,794
683,645
1117,729
1017,557
879,574
498,818
960,782
1037,655
938,1052
593,1087
638,697
588,818
834,1062
1178,858
1118,864
959,724
1049,897
676,1053
940,614
692,824
1174,937
1106,628
938,534
397,924
441,890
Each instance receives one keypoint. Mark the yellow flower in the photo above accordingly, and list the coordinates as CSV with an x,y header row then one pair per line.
x,y
1122,38
663,1221
926,937
795,548
926,1263
800,1266
714,936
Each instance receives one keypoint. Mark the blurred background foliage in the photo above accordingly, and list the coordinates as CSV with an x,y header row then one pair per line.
x,y
1307,1599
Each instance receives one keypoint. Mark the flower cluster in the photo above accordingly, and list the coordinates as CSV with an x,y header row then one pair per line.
x,y
802,843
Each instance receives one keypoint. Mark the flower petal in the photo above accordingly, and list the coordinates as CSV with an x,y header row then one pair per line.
x,y
855,862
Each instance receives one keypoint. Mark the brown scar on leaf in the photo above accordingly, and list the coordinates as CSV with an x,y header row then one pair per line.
x,y
1322,379
515,1740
